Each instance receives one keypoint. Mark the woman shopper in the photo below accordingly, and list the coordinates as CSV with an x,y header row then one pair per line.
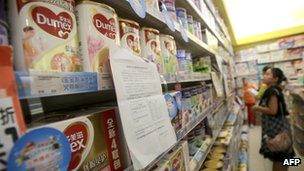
x,y
249,100
276,134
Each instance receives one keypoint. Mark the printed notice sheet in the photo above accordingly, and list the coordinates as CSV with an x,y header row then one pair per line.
x,y
143,111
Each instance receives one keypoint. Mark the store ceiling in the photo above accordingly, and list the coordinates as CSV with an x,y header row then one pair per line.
x,y
259,20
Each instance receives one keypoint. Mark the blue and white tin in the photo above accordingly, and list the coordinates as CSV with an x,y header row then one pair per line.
x,y
171,104
181,58
181,14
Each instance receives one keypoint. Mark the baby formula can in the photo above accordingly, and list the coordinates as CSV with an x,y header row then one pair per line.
x,y
44,35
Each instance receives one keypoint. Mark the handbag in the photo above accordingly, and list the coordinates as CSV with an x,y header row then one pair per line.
x,y
282,141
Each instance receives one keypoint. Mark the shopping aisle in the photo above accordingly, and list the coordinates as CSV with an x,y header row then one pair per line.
x,y
257,161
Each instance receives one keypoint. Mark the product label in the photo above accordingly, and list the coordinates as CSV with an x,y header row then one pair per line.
x,y
151,48
105,26
77,134
129,34
169,55
47,38
99,36
46,85
112,140
59,25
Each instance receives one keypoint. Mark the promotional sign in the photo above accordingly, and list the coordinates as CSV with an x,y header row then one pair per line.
x,y
11,118
41,149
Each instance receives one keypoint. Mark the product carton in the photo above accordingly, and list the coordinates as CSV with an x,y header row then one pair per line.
x,y
176,159
94,138
173,110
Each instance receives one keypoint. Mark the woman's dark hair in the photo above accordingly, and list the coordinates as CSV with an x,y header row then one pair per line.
x,y
266,68
278,73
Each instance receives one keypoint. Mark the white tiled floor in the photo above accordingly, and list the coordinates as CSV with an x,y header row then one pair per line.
x,y
256,161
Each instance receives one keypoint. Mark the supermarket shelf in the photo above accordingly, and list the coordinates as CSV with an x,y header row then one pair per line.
x,y
215,18
184,132
191,125
192,77
216,33
36,85
183,77
155,19
291,46
202,155
281,60
190,6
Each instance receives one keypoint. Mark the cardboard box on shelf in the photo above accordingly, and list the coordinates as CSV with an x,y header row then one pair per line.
x,y
291,42
273,46
210,39
277,55
242,68
294,53
262,48
186,155
202,64
174,109
299,40
163,165
94,138
264,57
176,159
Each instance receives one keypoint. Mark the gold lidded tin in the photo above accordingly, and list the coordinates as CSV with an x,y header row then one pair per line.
x,y
168,49
44,36
99,34
129,35
150,47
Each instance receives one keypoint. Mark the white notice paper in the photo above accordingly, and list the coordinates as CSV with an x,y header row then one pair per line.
x,y
143,111
217,82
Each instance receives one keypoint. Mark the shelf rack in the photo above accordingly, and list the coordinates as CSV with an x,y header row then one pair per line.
x,y
190,6
54,84
65,83
280,60
155,19
201,156
215,18
181,135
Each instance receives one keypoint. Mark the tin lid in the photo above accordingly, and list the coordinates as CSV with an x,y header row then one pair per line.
x,y
128,21
151,30
98,4
167,36
180,9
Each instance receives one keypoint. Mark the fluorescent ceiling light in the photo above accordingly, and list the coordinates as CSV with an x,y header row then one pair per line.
x,y
250,18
